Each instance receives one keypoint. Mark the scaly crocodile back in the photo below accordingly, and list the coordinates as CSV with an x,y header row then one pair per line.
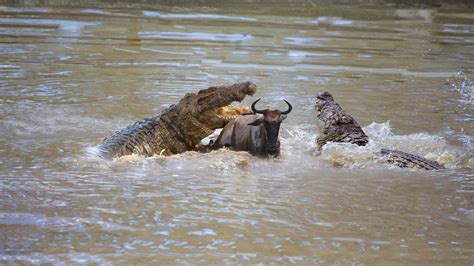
x,y
139,138
403,159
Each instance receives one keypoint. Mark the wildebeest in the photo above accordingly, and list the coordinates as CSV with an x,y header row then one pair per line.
x,y
257,134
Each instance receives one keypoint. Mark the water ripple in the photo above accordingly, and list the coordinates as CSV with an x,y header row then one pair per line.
x,y
147,13
200,36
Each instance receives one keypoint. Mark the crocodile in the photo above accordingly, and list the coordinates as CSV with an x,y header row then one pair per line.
x,y
408,160
338,126
342,127
180,127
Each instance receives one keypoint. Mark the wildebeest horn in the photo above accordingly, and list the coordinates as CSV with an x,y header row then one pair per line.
x,y
289,108
255,110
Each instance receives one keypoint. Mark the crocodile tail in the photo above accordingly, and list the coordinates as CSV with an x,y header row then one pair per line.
x,y
404,159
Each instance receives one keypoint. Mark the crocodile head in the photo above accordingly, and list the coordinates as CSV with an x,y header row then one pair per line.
x,y
321,99
213,107
338,125
210,108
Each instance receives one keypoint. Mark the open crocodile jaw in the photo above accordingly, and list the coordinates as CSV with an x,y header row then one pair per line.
x,y
230,112
213,104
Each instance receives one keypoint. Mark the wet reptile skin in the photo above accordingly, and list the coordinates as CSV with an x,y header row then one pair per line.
x,y
341,127
408,160
180,127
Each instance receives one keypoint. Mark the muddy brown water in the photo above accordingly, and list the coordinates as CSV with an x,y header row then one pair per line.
x,y
74,72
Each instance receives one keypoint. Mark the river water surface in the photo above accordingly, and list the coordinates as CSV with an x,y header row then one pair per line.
x,y
73,73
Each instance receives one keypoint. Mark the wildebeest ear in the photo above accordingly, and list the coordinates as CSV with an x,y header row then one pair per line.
x,y
282,117
257,121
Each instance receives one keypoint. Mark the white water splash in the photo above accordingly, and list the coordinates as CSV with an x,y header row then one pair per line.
x,y
432,147
463,85
298,148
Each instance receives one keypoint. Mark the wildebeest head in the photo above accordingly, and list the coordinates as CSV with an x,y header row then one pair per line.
x,y
271,120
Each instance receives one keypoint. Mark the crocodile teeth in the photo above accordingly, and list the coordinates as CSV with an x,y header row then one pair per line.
x,y
229,117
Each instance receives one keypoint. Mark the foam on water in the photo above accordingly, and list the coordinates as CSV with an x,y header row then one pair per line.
x,y
381,136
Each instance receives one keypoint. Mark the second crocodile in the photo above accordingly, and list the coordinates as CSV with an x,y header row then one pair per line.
x,y
341,127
